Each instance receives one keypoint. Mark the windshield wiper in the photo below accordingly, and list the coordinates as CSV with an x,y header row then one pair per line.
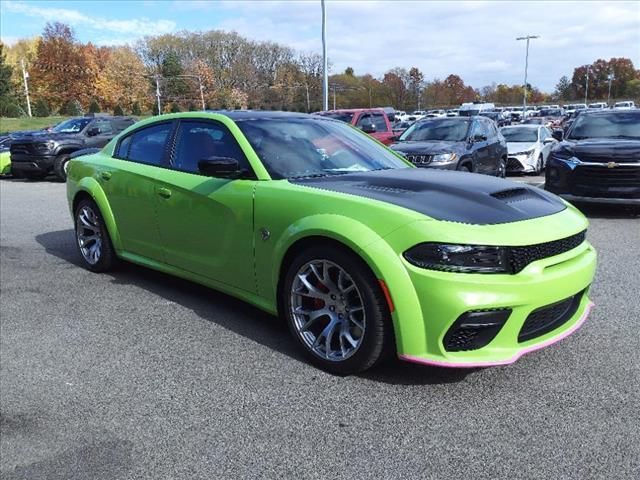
x,y
625,136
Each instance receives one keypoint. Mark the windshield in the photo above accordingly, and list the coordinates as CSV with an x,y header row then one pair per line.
x,y
613,125
443,130
342,116
74,125
314,147
520,134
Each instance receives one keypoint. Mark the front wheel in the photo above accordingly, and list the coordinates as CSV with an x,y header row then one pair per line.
x,y
502,168
61,166
336,310
539,165
92,238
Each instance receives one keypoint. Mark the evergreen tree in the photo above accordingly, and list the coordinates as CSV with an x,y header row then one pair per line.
x,y
94,107
8,103
135,109
564,88
175,108
117,111
73,108
41,108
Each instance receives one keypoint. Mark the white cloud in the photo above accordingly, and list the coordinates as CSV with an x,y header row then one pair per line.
x,y
137,26
9,40
473,39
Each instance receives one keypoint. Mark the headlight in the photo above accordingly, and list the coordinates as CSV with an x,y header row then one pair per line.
x,y
443,157
526,152
44,147
459,258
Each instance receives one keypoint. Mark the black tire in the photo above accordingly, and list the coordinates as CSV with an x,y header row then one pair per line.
x,y
466,168
106,260
539,165
60,166
502,169
377,341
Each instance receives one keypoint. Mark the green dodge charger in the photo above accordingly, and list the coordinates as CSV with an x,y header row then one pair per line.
x,y
362,254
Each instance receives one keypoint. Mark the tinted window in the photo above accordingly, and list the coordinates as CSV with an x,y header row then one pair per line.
x,y
148,144
306,147
378,121
119,124
201,140
342,116
446,130
612,125
122,151
104,127
73,125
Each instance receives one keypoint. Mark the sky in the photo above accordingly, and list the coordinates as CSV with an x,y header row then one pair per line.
x,y
476,40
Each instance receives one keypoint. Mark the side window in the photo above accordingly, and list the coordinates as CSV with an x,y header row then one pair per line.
x,y
146,145
378,121
365,119
103,126
201,140
119,124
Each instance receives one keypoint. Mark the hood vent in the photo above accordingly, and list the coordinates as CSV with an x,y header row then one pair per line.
x,y
513,195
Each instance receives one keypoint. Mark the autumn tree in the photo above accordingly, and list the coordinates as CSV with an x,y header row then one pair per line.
x,y
395,83
9,106
60,71
122,81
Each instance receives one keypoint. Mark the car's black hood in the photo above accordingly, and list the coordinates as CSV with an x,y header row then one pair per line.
x,y
603,149
39,137
433,147
445,195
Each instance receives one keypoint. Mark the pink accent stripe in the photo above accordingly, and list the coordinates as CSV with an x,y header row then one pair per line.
x,y
524,351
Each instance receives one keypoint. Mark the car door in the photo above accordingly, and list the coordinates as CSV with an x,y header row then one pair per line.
x,y
495,145
545,144
128,180
98,133
206,223
481,151
383,131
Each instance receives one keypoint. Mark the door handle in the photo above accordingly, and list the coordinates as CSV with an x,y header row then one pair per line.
x,y
105,175
164,192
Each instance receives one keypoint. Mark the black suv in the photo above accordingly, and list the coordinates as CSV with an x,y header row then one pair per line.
x,y
599,159
472,144
41,153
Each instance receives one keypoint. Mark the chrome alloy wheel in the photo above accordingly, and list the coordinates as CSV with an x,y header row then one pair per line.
x,y
327,310
88,235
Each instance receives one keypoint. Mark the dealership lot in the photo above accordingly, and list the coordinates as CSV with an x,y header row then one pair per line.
x,y
138,375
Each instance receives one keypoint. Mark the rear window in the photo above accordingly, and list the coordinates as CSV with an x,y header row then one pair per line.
x,y
342,116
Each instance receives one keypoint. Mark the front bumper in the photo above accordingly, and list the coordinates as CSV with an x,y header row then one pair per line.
x,y
615,183
520,163
444,297
32,163
440,165
429,303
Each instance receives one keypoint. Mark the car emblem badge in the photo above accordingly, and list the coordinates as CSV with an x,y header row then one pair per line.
x,y
265,234
612,165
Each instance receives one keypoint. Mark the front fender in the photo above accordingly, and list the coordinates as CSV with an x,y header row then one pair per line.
x,y
91,186
375,252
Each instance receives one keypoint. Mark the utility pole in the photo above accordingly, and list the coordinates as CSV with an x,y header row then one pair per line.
x,y
586,88
334,97
526,67
325,63
306,87
610,80
25,76
157,77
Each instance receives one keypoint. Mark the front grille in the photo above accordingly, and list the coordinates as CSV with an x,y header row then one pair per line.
x,y
20,149
596,181
418,159
513,165
548,318
520,257
462,339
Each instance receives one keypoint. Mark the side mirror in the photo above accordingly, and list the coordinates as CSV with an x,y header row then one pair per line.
x,y
220,167
93,131
369,128
558,135
548,140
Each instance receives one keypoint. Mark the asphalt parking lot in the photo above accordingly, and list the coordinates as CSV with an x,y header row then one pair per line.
x,y
135,374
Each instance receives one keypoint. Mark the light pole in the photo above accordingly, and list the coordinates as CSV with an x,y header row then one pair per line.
x,y
586,87
325,63
25,75
200,87
526,67
157,77
610,80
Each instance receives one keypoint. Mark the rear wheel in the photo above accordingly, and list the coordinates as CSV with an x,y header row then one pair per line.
x,y
92,238
539,165
336,310
60,166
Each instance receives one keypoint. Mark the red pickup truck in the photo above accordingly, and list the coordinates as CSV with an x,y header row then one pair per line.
x,y
373,121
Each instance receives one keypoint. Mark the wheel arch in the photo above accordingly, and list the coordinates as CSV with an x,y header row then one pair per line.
x,y
89,188
385,264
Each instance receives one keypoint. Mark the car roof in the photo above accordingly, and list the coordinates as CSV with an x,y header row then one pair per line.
x,y
522,125
260,114
598,112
